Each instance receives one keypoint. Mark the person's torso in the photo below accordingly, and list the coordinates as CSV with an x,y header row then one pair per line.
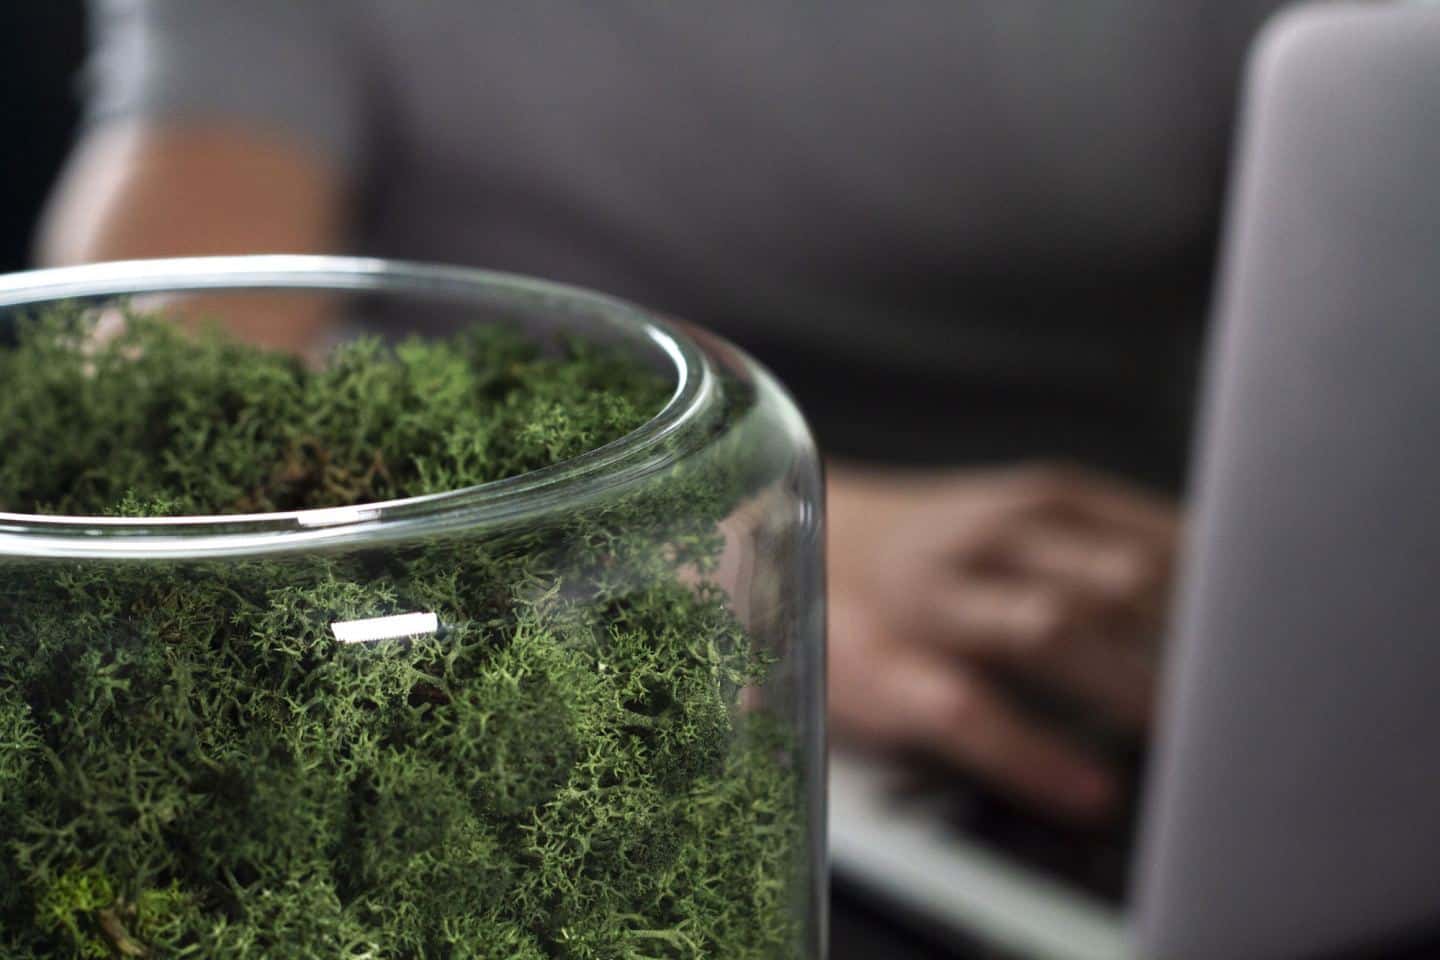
x,y
1013,194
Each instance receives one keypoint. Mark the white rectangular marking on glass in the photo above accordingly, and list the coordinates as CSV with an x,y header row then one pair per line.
x,y
386,628
336,516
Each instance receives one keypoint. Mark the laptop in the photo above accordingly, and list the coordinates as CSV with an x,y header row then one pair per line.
x,y
1292,806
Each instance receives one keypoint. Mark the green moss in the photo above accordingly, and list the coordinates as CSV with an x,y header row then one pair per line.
x,y
192,766
155,424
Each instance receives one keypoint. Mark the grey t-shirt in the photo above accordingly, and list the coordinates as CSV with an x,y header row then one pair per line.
x,y
960,229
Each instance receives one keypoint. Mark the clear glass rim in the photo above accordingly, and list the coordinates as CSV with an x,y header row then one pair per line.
x,y
632,457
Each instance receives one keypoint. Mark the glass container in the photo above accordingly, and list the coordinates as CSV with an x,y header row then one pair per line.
x,y
573,713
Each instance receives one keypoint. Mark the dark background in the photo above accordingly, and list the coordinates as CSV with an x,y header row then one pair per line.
x,y
42,43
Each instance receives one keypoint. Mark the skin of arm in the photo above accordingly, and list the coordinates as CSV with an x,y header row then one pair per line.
x,y
139,190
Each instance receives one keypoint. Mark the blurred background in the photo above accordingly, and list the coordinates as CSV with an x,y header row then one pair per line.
x,y
977,241
1103,374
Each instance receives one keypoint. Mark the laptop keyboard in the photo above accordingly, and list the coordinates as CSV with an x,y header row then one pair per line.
x,y
1094,859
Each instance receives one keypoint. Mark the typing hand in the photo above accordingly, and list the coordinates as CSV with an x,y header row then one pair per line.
x,y
938,580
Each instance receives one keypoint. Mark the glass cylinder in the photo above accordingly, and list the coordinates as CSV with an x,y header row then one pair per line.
x,y
573,713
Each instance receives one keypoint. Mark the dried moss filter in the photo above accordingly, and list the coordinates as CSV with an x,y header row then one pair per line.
x,y
531,741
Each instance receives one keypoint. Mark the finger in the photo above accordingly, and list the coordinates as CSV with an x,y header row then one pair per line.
x,y
867,677
989,615
897,695
1106,567
1106,502
1116,678
962,718
1131,508
1071,644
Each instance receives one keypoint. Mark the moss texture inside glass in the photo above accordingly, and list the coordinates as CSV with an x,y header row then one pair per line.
x,y
560,761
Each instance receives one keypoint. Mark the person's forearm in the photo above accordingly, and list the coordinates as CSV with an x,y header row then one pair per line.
x,y
135,191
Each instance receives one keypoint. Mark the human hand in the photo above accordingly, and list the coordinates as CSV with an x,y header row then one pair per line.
x,y
938,579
